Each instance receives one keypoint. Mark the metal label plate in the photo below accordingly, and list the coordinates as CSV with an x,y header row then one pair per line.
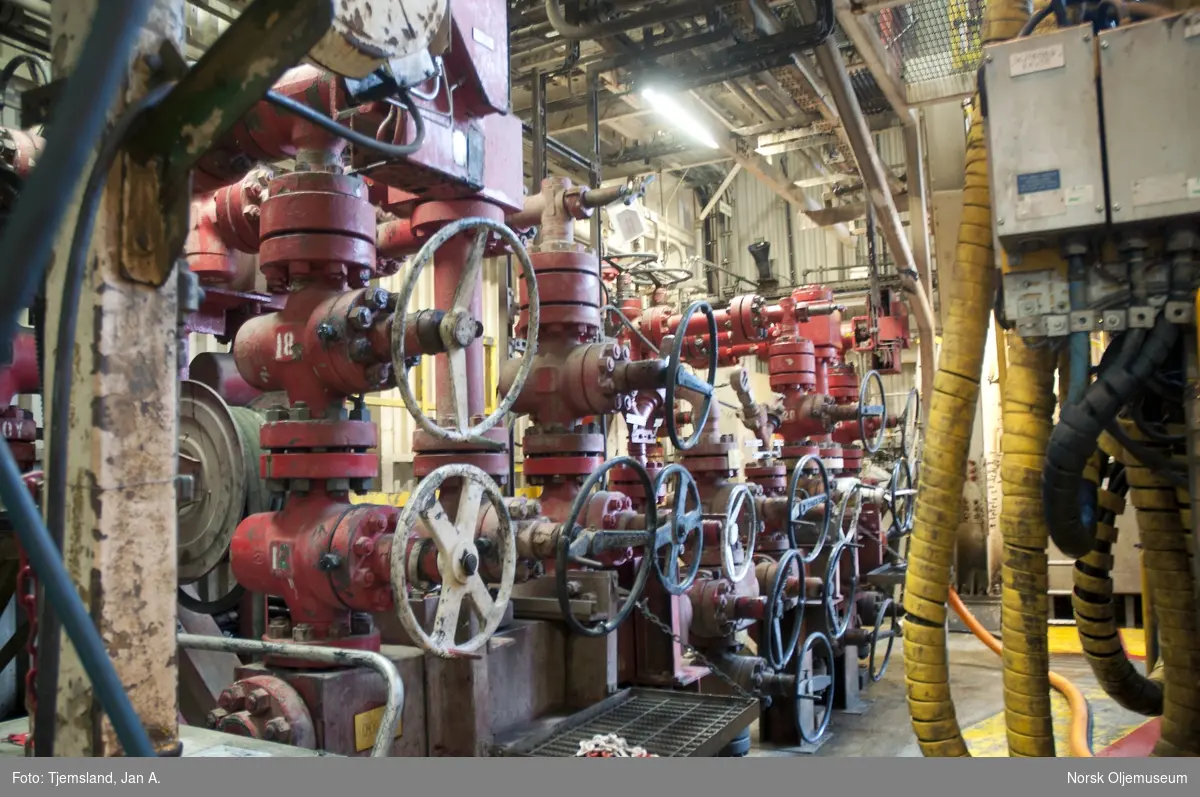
x,y
1040,194
366,726
1040,60
1159,189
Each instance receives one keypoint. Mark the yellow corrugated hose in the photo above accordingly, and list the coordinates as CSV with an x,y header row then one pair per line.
x,y
1078,736
1028,420
968,299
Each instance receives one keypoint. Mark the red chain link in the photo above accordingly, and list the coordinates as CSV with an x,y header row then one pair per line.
x,y
27,597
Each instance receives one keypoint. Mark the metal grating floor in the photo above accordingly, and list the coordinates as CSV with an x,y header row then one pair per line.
x,y
668,724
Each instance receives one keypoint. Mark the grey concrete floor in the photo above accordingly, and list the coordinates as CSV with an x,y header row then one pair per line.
x,y
975,679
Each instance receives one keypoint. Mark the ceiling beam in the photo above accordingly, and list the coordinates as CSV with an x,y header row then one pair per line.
x,y
861,31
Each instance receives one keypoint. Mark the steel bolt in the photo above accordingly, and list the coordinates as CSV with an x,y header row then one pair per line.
x,y
327,332
379,374
214,717
279,628
360,318
232,698
301,411
377,298
276,414
470,563
337,485
1103,45
364,578
258,701
364,546
328,562
303,632
277,730
360,350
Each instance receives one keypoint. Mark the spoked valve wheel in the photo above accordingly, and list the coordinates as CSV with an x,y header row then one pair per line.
x,y
577,543
839,619
458,329
684,530
778,646
803,499
887,608
458,559
901,500
872,404
910,425
739,527
814,686
678,378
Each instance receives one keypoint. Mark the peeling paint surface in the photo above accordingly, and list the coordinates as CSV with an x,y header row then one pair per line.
x,y
121,516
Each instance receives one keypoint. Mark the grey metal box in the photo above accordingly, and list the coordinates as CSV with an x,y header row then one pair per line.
x,y
1043,129
1150,81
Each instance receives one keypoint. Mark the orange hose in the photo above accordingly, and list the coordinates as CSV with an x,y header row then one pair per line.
x,y
1078,736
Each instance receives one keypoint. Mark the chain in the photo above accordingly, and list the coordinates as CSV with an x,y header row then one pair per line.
x,y
700,657
27,598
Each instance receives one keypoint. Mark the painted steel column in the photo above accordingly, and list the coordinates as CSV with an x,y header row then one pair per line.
x,y
120,540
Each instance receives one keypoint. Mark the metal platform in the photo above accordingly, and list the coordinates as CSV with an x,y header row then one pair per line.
x,y
666,723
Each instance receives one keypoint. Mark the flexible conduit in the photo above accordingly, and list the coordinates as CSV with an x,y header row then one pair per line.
x,y
1095,611
1028,412
968,299
1165,555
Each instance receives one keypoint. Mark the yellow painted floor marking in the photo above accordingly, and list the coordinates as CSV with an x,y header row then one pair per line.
x,y
987,739
1064,639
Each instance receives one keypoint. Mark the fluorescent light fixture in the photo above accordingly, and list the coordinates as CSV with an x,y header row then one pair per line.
x,y
683,120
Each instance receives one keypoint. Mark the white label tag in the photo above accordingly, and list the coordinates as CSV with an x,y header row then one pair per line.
x,y
1041,205
483,39
1080,195
225,751
1191,26
1193,188
1038,60
1159,189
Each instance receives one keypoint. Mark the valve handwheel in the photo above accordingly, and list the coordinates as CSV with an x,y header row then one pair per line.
x,y
872,403
910,425
677,378
813,687
801,502
740,525
458,330
886,609
597,541
901,499
777,649
685,522
458,559
838,621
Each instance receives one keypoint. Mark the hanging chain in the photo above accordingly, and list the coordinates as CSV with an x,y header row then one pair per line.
x,y
27,597
700,657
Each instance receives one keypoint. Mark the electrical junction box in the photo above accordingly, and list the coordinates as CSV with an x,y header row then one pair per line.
x,y
1043,133
1150,83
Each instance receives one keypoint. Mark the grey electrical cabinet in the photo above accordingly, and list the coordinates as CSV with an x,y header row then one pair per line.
x,y
1150,82
1043,133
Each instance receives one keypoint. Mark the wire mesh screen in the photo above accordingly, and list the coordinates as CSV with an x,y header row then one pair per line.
x,y
932,40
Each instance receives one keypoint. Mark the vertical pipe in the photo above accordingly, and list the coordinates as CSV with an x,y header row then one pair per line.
x,y
448,264
537,166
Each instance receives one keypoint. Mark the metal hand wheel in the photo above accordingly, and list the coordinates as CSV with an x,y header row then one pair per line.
x,y
801,501
575,545
812,687
740,526
458,330
777,647
677,377
886,608
910,425
872,404
901,500
838,621
686,521
458,559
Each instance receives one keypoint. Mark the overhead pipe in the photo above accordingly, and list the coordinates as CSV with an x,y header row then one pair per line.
x,y
614,27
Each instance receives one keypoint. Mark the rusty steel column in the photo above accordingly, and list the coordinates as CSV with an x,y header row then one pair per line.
x,y
119,544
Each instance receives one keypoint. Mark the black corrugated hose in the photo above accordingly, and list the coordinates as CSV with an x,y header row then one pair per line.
x,y
1075,436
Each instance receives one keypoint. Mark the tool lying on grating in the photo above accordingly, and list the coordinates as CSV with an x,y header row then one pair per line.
x,y
609,745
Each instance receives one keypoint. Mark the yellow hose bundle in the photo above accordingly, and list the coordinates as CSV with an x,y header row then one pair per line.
x,y
1028,407
968,297
1166,546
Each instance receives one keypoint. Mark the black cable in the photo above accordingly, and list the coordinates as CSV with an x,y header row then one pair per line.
x,y
60,401
357,139
28,238
10,70
1147,456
